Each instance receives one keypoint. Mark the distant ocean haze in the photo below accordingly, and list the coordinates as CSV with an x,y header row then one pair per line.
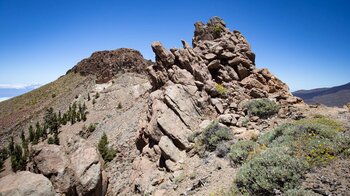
x,y
8,91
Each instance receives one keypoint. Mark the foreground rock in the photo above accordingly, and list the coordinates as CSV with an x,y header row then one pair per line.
x,y
26,183
74,169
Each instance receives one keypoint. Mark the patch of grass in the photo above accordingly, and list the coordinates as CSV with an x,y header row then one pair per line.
x,y
263,108
273,169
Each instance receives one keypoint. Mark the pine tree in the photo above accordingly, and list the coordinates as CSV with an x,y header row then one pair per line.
x,y
56,139
107,153
18,159
51,120
64,119
59,117
31,133
23,137
11,146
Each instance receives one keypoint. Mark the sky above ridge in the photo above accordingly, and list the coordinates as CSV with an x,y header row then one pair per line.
x,y
304,43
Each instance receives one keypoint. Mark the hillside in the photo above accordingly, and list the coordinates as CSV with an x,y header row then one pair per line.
x,y
333,96
200,120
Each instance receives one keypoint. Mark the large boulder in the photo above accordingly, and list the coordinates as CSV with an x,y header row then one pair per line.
x,y
51,161
74,169
85,162
26,183
170,151
173,127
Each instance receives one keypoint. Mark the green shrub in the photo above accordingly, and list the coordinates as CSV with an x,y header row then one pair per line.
x,y
299,192
262,108
273,169
215,134
241,150
91,128
107,153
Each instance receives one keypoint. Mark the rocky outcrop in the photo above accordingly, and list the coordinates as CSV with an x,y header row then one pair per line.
x,y
106,64
74,169
213,80
26,183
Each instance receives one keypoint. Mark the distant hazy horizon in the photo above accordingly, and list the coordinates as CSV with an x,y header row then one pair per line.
x,y
304,43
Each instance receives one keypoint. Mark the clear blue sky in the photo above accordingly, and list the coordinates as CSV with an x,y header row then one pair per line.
x,y
306,43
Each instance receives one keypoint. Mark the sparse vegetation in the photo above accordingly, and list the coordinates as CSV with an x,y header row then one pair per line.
x,y
107,153
263,108
291,150
221,89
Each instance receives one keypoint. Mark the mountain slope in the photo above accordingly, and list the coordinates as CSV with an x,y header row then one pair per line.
x,y
334,96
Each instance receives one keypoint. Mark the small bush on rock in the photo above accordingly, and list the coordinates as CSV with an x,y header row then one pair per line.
x,y
273,169
221,89
262,108
217,29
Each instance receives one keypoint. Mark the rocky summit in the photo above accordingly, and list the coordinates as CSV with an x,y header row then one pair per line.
x,y
200,120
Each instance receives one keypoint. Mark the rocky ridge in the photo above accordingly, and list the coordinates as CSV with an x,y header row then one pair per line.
x,y
106,64
191,87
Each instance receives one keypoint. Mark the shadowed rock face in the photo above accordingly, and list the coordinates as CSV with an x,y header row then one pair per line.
x,y
106,64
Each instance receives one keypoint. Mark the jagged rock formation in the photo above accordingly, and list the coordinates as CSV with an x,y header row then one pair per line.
x,y
212,80
26,183
106,64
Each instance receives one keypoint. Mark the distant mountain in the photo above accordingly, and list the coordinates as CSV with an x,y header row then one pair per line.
x,y
334,96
